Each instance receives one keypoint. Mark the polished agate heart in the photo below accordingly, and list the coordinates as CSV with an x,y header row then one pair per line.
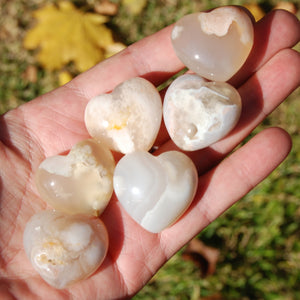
x,y
65,249
214,44
198,113
155,191
128,119
79,183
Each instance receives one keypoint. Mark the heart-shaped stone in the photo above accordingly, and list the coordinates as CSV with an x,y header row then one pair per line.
x,y
79,183
65,249
128,119
198,113
214,44
155,191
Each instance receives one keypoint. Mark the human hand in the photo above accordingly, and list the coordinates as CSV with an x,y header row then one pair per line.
x,y
53,123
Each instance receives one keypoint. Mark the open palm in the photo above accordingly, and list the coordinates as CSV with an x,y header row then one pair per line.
x,y
53,123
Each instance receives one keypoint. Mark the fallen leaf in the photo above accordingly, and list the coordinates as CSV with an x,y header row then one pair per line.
x,y
106,7
113,49
64,34
64,77
204,257
134,6
289,6
255,10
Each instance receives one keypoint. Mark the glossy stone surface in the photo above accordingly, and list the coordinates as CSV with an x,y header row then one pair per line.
x,y
80,182
128,119
155,191
214,44
65,249
198,113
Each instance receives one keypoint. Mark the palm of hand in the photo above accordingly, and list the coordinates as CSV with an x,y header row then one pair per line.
x,y
54,122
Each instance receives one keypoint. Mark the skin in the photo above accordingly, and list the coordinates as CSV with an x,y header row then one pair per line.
x,y
53,123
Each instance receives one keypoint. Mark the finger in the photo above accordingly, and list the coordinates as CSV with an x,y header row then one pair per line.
x,y
276,31
152,58
227,183
261,94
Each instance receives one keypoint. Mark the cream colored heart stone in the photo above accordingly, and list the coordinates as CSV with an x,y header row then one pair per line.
x,y
79,183
198,113
214,44
155,191
65,249
128,119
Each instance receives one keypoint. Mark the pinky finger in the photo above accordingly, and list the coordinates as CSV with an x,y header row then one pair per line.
x,y
228,182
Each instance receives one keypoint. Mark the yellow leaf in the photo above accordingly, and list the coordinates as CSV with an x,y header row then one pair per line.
x,y
66,6
255,10
113,49
289,6
134,6
64,77
64,34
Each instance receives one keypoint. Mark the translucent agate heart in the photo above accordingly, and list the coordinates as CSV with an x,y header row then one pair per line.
x,y
214,44
79,183
128,119
155,191
65,249
198,113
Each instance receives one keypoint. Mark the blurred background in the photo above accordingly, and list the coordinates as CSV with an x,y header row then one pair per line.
x,y
253,250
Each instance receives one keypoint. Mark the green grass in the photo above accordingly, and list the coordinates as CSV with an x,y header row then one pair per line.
x,y
258,238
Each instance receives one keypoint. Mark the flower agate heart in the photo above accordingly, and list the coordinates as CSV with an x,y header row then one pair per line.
x,y
198,113
128,119
79,183
65,249
214,44
155,191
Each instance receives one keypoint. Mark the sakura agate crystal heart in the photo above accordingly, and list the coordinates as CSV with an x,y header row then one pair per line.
x,y
155,191
79,183
198,113
214,44
128,119
65,249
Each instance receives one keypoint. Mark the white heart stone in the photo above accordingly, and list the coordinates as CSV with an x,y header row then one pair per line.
x,y
198,113
155,191
128,119
65,249
79,183
214,44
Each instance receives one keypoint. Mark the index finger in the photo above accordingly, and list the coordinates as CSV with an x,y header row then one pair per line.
x,y
152,58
